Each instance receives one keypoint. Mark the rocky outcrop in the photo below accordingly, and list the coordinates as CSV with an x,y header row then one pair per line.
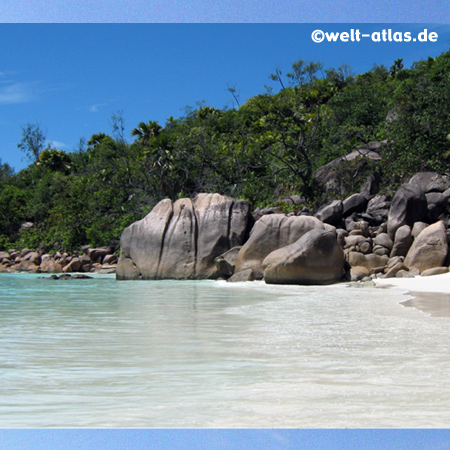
x,y
315,258
271,233
180,240
212,236
101,259
375,237
327,175
409,205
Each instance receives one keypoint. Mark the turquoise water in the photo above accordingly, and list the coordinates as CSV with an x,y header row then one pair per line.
x,y
102,353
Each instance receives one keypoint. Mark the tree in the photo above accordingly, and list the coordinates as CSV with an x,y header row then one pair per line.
x,y
418,138
396,67
145,132
118,127
33,141
277,77
55,160
287,129
232,91
6,172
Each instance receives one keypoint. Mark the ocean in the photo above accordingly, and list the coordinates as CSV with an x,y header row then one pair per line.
x,y
106,353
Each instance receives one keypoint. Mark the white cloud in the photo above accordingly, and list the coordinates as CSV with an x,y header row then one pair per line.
x,y
17,92
57,144
95,108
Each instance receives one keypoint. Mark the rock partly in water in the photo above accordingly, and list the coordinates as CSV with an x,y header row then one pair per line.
x,y
180,240
226,263
243,275
271,233
67,276
315,258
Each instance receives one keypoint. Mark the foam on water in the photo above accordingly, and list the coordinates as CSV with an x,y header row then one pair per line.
x,y
102,353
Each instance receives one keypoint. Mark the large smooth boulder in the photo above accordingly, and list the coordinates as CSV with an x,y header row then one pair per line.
x,y
378,207
434,271
5,256
315,258
243,275
437,204
418,228
371,261
430,182
384,240
371,186
328,175
33,257
331,213
356,203
402,241
109,259
73,266
271,233
180,240
226,263
294,200
429,249
409,205
97,254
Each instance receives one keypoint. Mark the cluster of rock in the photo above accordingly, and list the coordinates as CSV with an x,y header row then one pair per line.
x,y
366,235
100,259
208,238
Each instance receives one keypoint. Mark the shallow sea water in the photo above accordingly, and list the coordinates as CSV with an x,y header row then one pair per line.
x,y
103,353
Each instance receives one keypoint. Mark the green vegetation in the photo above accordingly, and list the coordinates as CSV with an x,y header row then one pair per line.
x,y
267,147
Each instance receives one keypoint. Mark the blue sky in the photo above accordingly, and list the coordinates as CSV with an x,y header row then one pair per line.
x,y
225,11
71,78
225,439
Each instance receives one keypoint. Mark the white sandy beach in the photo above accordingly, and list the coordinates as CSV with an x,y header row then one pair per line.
x,y
435,283
430,294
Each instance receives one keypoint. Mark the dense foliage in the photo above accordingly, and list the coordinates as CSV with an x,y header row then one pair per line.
x,y
267,147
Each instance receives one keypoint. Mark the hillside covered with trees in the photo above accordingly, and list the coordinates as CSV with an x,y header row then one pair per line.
x,y
266,148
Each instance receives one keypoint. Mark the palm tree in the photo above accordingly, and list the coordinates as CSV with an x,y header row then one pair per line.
x,y
145,132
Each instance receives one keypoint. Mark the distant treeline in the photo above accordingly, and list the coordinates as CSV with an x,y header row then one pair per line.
x,y
265,148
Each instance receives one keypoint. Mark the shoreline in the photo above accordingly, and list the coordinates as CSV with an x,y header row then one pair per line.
x,y
430,295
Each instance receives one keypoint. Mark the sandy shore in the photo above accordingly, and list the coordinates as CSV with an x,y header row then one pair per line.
x,y
431,294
